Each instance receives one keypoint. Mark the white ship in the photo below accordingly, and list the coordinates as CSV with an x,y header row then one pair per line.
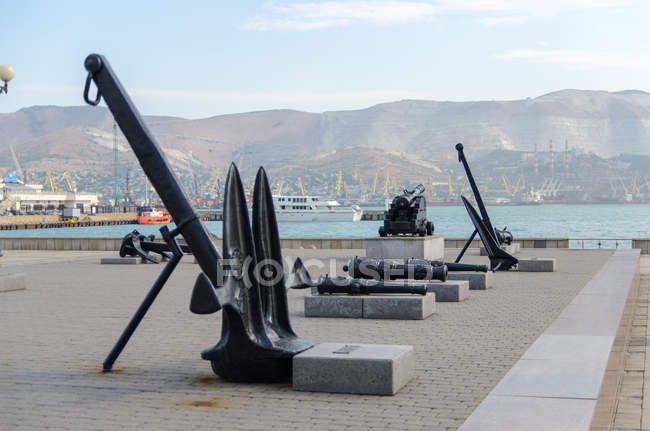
x,y
312,208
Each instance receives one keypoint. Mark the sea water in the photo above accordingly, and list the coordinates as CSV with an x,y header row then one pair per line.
x,y
577,222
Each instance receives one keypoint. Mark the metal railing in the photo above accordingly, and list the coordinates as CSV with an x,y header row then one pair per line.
x,y
600,243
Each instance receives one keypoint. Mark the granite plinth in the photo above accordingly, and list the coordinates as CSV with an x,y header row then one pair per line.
x,y
11,282
537,264
334,306
376,369
398,307
449,291
402,247
477,280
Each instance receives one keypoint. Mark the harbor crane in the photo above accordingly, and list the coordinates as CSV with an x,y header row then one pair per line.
x,y
49,182
302,189
19,169
386,187
623,186
278,190
634,185
613,187
374,183
70,185
215,184
338,182
511,188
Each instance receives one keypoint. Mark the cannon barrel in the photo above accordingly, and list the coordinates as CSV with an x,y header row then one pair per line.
x,y
354,286
451,266
418,190
393,269
407,196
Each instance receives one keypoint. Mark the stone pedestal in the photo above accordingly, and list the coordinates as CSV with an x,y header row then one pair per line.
x,y
376,369
537,264
11,282
398,307
450,291
403,247
477,280
334,306
513,248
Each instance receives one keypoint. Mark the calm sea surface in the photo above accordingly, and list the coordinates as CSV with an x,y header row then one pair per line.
x,y
563,221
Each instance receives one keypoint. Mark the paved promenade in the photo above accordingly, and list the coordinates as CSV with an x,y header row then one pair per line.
x,y
55,334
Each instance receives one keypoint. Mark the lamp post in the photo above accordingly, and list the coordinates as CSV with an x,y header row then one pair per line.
x,y
6,74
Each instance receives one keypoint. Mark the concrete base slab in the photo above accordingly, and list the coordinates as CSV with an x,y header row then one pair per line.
x,y
376,369
11,282
397,307
477,280
450,291
334,306
402,307
537,264
513,248
428,247
120,260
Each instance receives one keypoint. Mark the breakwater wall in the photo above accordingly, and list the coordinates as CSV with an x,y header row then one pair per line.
x,y
217,215
19,222
113,244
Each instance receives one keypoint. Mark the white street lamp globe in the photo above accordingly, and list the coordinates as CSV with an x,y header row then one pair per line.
x,y
6,72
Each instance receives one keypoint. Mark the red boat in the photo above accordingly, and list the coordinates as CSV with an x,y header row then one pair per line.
x,y
154,216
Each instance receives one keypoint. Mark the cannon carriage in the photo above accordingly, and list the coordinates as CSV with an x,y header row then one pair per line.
x,y
407,215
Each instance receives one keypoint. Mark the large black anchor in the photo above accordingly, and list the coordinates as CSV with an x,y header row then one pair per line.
x,y
256,332
137,245
491,237
257,342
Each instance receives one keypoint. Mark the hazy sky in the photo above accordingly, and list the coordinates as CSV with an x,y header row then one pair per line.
x,y
197,59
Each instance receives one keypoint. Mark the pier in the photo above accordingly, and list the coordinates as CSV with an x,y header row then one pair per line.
x,y
50,221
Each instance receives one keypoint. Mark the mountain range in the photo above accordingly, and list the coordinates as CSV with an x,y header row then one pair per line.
x,y
412,137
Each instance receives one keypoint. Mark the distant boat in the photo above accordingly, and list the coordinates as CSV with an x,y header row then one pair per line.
x,y
154,216
312,208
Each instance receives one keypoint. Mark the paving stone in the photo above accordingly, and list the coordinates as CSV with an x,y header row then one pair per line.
x,y
376,369
477,280
10,282
535,264
450,291
402,307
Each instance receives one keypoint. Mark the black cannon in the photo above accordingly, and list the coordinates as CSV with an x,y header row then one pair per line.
x,y
413,269
492,238
257,341
394,269
299,278
407,215
451,266
137,245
